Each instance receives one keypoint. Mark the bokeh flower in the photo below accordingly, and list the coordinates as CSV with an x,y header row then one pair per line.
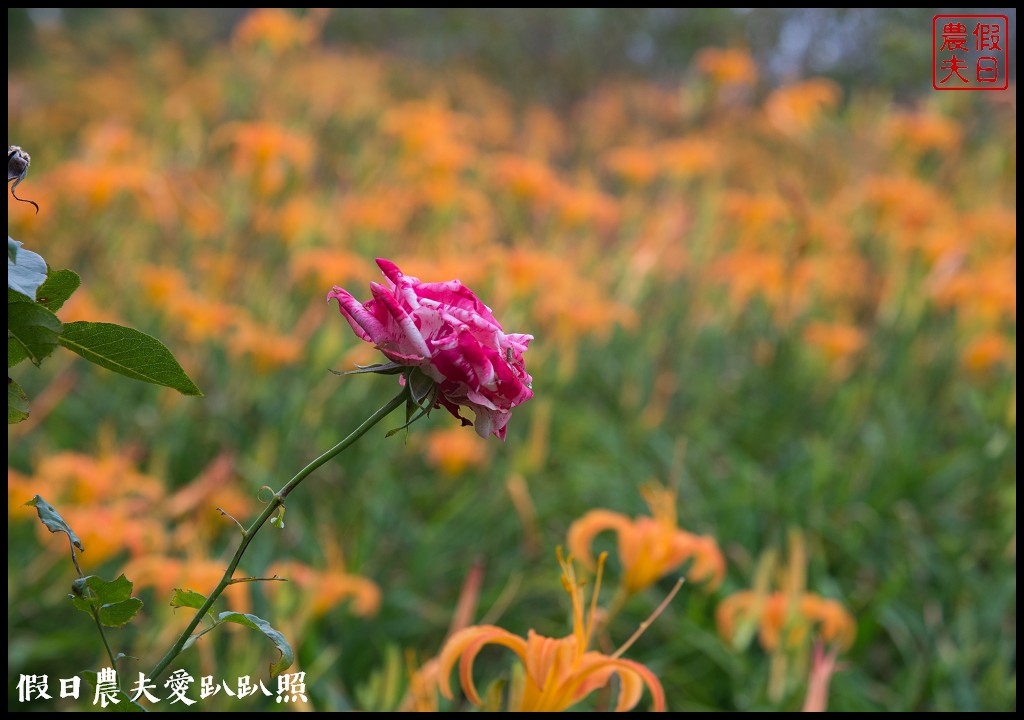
x,y
649,547
785,618
444,330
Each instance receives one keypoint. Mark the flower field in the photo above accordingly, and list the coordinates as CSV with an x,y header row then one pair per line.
x,y
774,354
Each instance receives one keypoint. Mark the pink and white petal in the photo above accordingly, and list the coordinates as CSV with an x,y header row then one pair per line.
x,y
390,270
454,295
432,324
402,359
408,335
464,362
519,341
363,323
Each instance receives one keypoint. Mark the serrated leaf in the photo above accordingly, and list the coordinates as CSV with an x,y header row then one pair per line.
x,y
27,274
59,286
261,625
110,591
188,599
17,403
34,328
112,600
12,249
118,614
15,352
129,352
49,516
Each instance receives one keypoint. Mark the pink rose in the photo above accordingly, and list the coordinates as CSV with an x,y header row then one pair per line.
x,y
444,330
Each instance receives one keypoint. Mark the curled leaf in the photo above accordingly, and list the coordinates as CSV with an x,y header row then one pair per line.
x,y
17,169
49,516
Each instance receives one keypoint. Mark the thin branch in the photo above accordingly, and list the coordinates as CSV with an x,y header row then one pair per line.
x,y
276,502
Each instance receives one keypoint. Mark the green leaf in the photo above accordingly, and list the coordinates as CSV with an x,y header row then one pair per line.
x,y
34,328
15,352
28,273
189,599
389,368
257,623
112,600
59,286
126,705
17,403
128,352
118,614
421,386
53,521
107,591
12,249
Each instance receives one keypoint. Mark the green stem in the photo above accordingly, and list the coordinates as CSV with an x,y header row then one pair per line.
x,y
103,636
275,502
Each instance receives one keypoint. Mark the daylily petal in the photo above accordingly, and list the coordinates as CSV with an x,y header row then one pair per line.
x,y
464,646
596,670
583,531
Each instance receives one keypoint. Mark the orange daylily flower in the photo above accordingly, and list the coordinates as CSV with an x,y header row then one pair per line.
x,y
559,672
637,165
987,351
796,109
325,589
453,451
275,28
728,66
421,695
923,131
650,547
786,619
837,341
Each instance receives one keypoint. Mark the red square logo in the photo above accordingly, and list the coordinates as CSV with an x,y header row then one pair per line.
x,y
970,52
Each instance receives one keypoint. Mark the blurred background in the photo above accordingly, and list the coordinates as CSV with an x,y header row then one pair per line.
x,y
767,267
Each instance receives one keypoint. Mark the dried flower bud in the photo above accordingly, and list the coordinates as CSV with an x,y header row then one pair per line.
x,y
17,169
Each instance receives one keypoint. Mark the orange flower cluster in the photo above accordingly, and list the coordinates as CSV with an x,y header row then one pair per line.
x,y
119,512
203,319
